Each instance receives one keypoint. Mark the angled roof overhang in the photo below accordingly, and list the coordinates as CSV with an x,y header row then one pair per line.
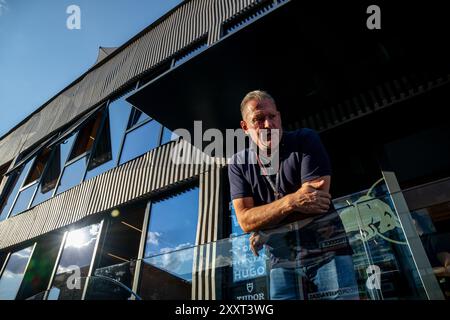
x,y
306,55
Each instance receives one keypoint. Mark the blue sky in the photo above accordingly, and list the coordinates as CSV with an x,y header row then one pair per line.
x,y
39,55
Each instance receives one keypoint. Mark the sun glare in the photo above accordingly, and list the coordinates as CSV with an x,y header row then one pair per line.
x,y
77,238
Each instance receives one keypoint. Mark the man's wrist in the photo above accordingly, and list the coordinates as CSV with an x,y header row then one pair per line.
x,y
288,206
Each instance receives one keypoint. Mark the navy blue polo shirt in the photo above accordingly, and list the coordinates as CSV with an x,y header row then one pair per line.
x,y
302,158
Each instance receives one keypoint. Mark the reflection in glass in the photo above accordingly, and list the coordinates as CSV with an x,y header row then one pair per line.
x,y
167,276
137,117
168,136
23,200
9,199
172,228
432,226
246,266
12,276
173,223
382,257
53,170
38,166
104,157
112,283
86,136
77,253
140,140
72,175
40,267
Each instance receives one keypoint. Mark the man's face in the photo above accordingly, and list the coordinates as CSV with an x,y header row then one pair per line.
x,y
260,118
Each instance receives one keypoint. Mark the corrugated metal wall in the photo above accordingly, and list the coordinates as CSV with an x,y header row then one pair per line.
x,y
139,178
192,20
204,275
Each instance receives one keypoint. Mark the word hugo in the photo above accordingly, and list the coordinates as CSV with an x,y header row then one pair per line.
x,y
221,146
74,20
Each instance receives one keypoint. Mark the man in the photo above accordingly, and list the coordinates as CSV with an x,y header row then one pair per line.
x,y
285,177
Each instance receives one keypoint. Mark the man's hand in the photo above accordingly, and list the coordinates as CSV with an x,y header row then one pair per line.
x,y
310,199
257,240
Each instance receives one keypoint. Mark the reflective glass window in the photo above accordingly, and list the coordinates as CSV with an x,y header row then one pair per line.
x,y
10,196
38,166
173,223
72,175
169,247
3,170
140,140
137,117
12,276
104,157
31,182
40,267
23,200
168,136
77,254
86,136
52,172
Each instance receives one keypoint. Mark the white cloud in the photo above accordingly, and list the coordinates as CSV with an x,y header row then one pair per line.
x,y
153,238
177,260
3,6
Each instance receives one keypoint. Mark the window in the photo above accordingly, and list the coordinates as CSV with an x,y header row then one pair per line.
x,y
140,139
104,156
53,171
73,175
137,117
31,183
86,136
182,211
12,275
40,268
17,179
169,248
78,251
3,170
168,136
75,168
118,253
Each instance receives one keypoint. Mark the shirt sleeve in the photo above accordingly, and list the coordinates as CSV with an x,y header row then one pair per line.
x,y
239,186
315,162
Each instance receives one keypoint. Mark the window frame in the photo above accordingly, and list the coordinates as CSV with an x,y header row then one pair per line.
x,y
100,234
133,128
185,186
24,187
2,269
75,129
102,110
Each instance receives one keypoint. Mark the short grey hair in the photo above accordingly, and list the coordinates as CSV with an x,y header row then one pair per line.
x,y
258,95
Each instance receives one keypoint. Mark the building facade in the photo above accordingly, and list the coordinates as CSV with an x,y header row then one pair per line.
x,y
93,205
